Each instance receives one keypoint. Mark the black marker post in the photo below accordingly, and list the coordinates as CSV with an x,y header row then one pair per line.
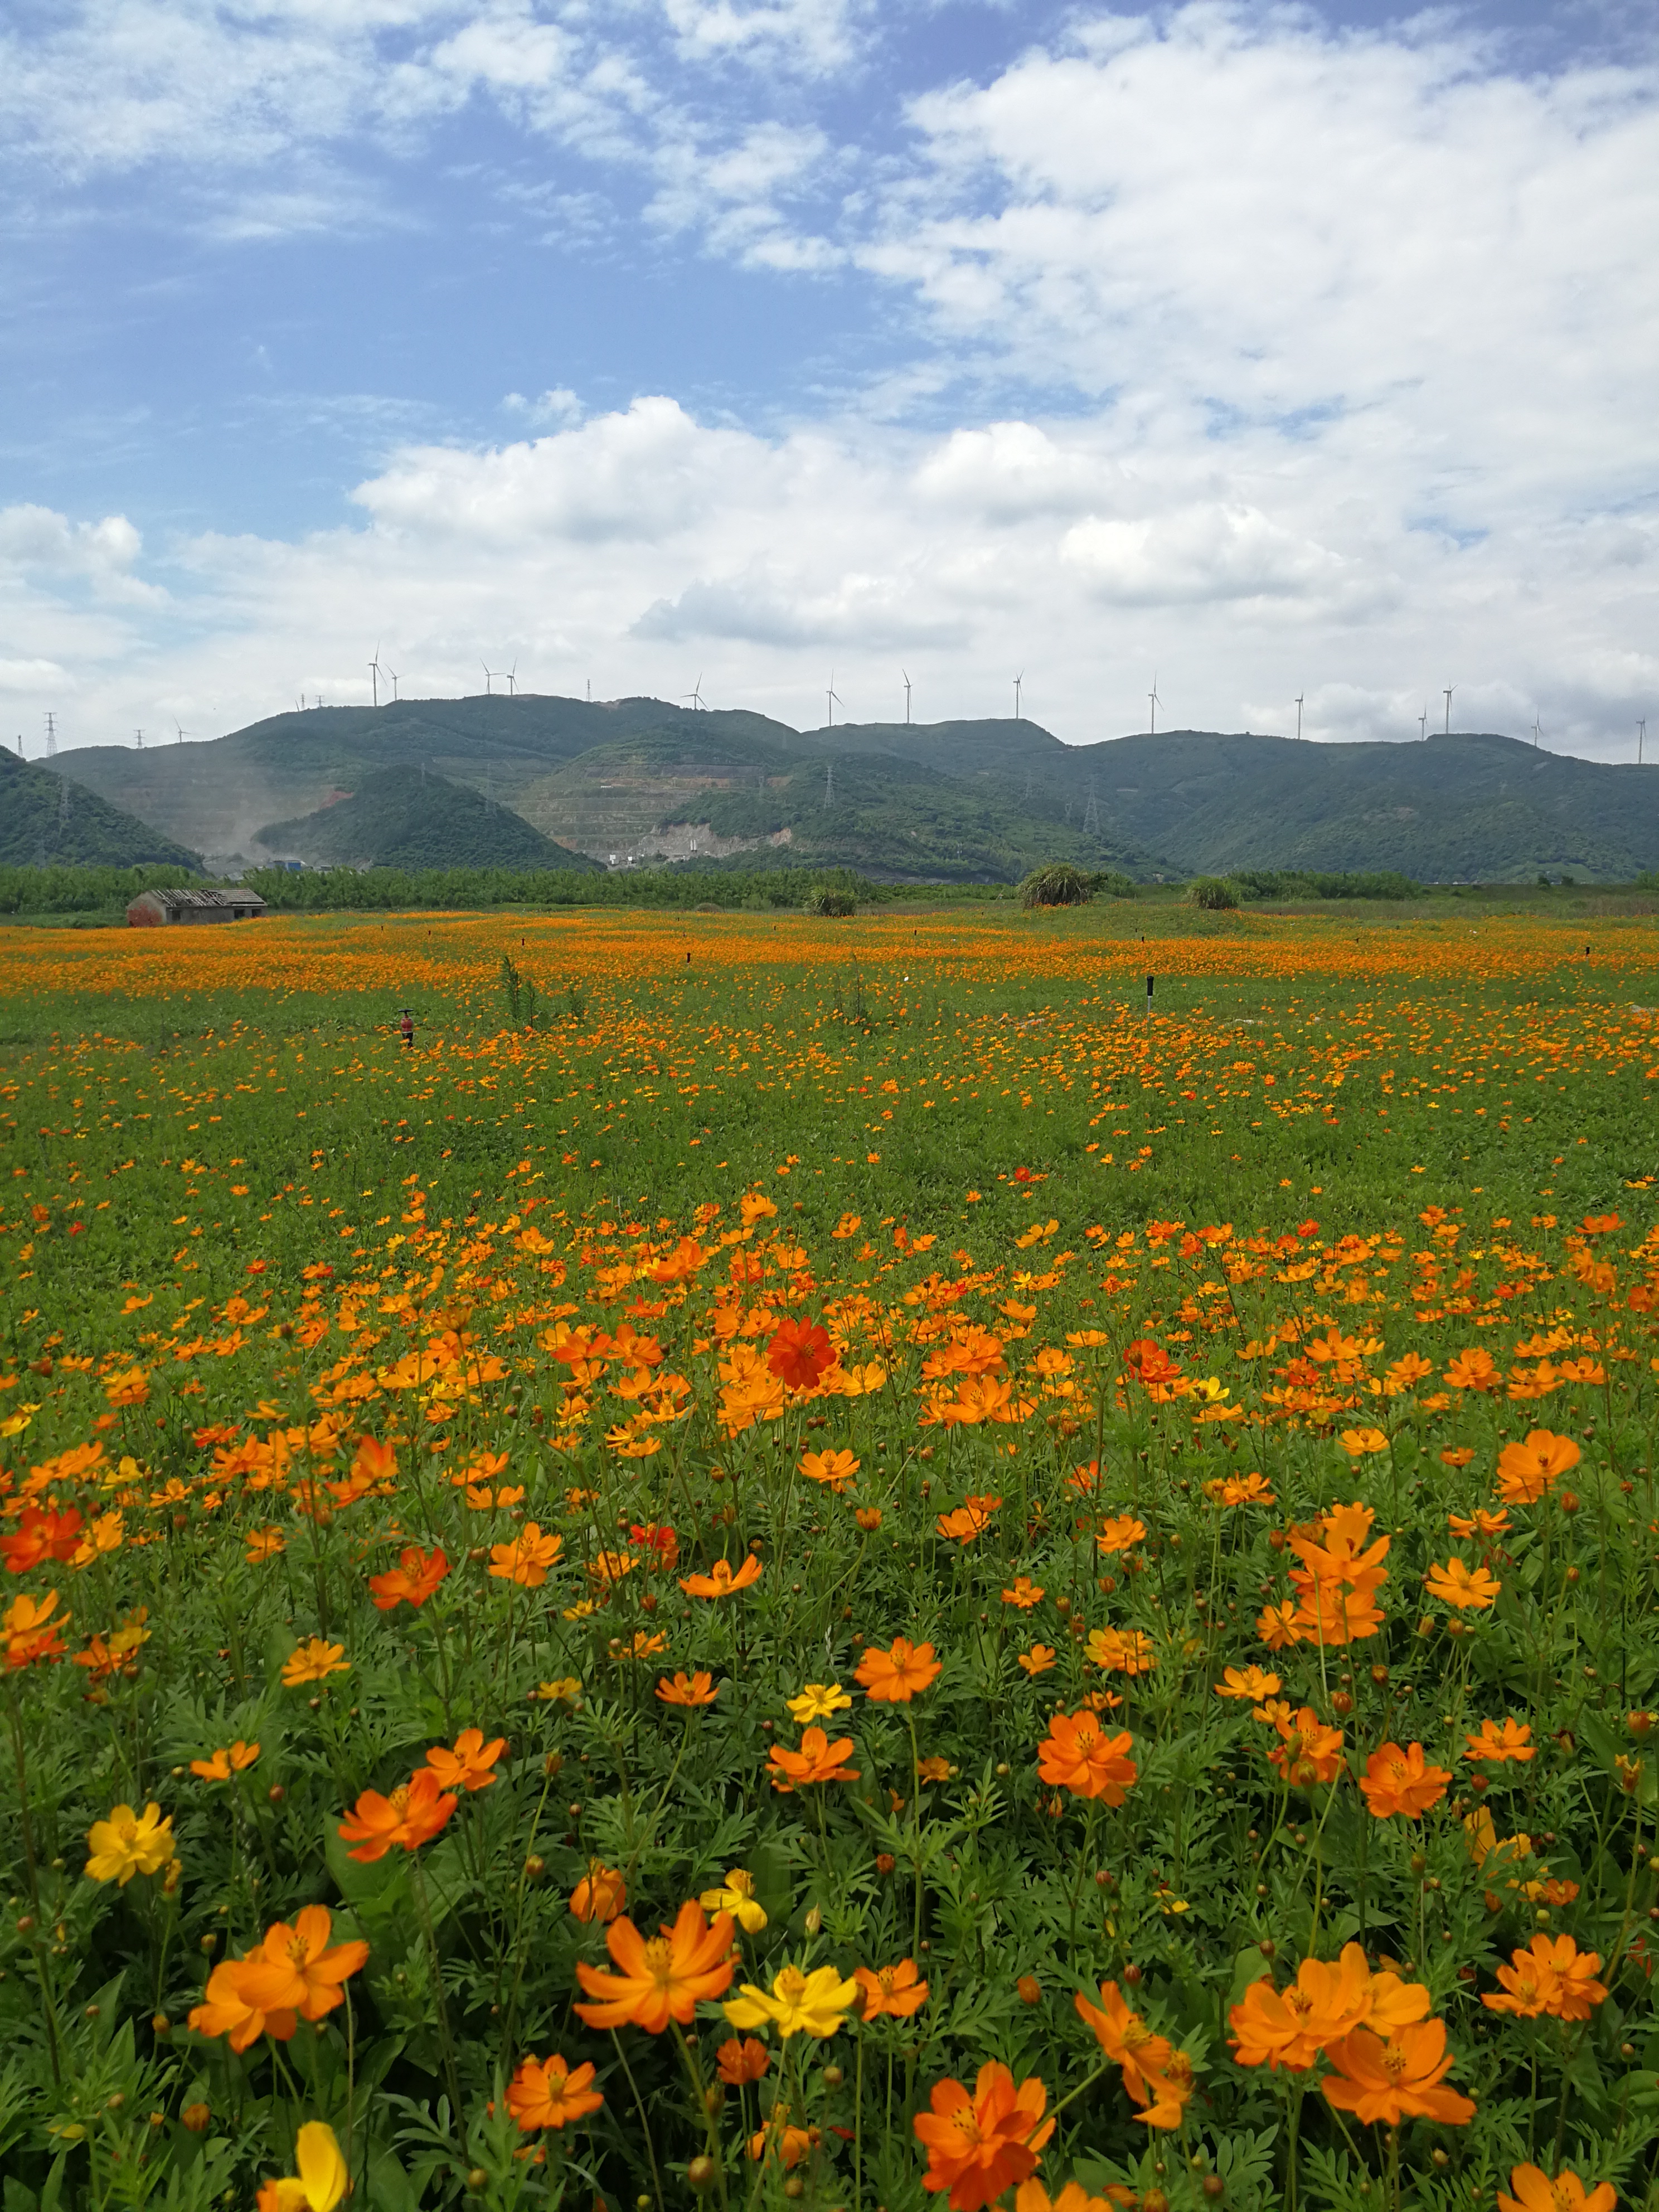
x,y
1149,998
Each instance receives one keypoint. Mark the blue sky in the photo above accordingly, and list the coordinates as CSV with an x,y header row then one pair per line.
x,y
1266,350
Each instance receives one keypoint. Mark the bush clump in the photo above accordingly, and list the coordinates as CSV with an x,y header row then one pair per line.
x,y
1058,884
830,900
1214,892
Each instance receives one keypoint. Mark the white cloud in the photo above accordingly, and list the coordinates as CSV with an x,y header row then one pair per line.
x,y
1287,360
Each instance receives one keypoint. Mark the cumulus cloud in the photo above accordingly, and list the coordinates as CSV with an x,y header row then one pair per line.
x,y
1280,358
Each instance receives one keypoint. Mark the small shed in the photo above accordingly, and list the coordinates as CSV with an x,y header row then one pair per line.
x,y
234,902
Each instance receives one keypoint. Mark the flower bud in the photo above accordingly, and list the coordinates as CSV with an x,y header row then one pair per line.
x,y
1030,1989
196,2117
702,2173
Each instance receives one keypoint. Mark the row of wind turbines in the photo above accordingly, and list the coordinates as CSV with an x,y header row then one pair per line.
x,y
379,669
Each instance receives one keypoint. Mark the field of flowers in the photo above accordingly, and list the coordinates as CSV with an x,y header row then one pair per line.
x,y
849,1570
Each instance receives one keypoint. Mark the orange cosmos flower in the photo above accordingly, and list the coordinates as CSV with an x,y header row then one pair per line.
x,y
411,1816
1396,2080
1246,1490
1359,1443
661,1978
314,1661
1248,1682
970,1520
1527,1986
894,1990
698,1690
221,1764
1513,1739
1534,2191
1076,1756
1032,2196
1127,2041
32,1631
835,1469
1479,1523
721,1582
978,2145
526,1559
1307,1752
1456,1455
817,1760
1552,1975
893,1677
1038,1660
1474,1370
1457,1584
412,1581
228,2011
1125,1651
1528,1472
741,2062
1276,1625
798,1353
600,1895
1024,1594
295,1969
868,1518
1396,1781
41,1536
470,1766
550,2094
1121,1533
1289,2027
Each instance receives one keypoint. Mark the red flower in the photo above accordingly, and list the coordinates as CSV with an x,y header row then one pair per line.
x,y
412,1581
799,1353
41,1534
978,2146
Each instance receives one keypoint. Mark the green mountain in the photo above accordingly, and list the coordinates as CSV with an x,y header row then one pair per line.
x,y
702,794
404,817
984,799
53,820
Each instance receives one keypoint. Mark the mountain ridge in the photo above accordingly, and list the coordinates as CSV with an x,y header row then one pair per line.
x,y
640,779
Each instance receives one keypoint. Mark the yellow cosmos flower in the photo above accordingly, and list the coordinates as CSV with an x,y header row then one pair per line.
x,y
801,2004
817,1701
736,1898
129,1843
321,2182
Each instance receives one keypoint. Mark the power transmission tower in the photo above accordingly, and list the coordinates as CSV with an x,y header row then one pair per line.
x,y
1092,815
829,783
51,737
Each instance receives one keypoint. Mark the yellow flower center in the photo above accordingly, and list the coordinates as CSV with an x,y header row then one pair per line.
x,y
658,1960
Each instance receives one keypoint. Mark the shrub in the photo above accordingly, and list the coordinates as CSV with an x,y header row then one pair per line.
x,y
1212,892
1058,884
832,902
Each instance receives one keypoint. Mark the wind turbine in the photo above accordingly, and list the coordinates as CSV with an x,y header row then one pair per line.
x,y
1156,702
513,681
374,674
1536,733
488,677
1641,739
393,674
1298,713
695,695
183,734
834,698
907,699
1423,725
1450,688
1019,680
